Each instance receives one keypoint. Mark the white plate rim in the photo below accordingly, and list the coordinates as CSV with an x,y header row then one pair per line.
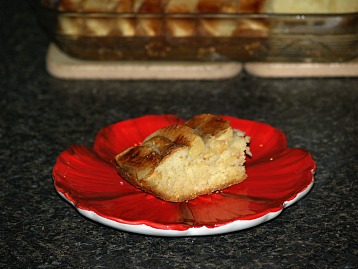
x,y
233,226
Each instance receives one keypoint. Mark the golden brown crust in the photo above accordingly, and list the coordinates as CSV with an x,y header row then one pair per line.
x,y
125,6
208,6
150,6
159,144
179,134
229,6
208,125
168,6
69,6
251,6
137,163
173,162
153,27
180,6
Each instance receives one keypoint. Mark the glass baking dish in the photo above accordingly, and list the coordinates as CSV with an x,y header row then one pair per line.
x,y
201,36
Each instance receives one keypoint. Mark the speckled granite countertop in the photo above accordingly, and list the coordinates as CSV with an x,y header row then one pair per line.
x,y
41,116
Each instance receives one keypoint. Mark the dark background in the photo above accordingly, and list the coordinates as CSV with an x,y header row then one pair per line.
x,y
41,115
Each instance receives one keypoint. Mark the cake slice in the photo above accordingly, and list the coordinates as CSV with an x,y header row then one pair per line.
x,y
180,162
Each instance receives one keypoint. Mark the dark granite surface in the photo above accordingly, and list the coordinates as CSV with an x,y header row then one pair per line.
x,y
40,116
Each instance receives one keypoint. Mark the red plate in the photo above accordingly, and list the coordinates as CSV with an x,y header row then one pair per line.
x,y
277,177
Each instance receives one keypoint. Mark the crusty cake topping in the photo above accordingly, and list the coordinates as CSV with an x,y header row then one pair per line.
x,y
181,161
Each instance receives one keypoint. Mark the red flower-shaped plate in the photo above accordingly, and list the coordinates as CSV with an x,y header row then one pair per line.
x,y
277,177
